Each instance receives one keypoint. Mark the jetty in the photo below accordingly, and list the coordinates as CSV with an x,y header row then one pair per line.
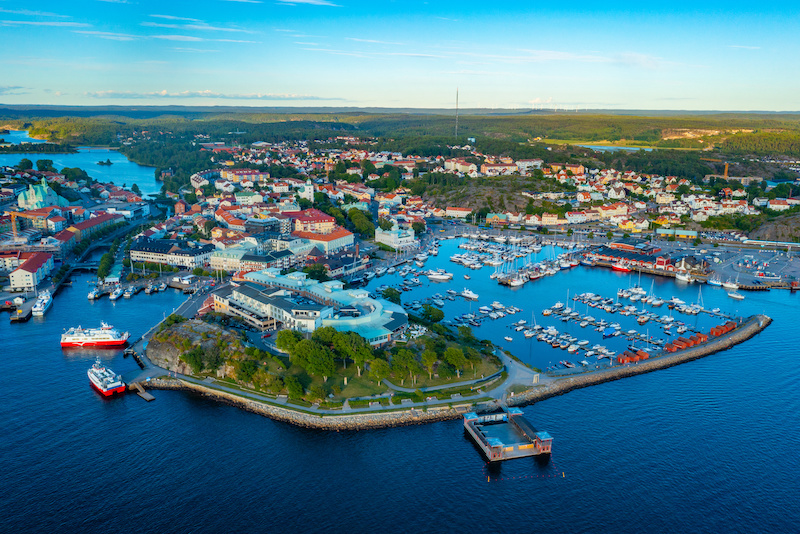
x,y
506,435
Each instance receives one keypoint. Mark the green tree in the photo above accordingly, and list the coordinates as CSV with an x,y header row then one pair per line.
x,y
455,357
466,335
208,226
379,369
135,189
317,392
317,271
418,227
432,314
429,359
351,345
293,387
609,234
385,224
45,165
314,358
570,232
325,335
406,362
392,295
286,340
25,164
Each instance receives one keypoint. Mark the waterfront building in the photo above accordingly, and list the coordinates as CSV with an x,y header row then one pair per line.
x,y
31,271
396,238
377,320
187,254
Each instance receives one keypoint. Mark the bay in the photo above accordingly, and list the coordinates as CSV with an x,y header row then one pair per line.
x,y
121,172
709,445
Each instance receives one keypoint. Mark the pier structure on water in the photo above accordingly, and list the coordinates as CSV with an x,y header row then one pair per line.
x,y
506,435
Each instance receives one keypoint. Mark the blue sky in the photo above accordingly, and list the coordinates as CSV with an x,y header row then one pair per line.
x,y
580,54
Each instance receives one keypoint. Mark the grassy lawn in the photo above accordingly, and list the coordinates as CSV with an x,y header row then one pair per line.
x,y
484,368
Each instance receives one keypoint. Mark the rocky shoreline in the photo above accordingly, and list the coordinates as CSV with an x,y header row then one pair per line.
x,y
403,417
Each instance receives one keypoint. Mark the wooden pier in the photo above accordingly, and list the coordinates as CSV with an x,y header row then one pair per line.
x,y
506,435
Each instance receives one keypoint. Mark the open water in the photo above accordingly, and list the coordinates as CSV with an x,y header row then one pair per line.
x,y
122,172
708,446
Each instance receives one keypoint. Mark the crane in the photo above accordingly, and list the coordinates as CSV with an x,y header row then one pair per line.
x,y
715,160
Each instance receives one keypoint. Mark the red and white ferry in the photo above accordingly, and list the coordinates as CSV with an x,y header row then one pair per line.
x,y
105,380
105,336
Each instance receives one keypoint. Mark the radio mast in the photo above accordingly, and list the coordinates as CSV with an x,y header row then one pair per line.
x,y
456,112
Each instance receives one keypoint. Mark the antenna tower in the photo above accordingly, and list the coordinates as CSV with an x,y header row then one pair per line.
x,y
456,112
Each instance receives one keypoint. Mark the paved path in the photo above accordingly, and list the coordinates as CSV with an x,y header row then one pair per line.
x,y
443,386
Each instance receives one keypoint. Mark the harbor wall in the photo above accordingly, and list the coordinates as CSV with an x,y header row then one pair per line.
x,y
354,421
360,421
743,332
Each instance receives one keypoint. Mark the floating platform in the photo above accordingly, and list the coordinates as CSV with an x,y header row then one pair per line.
x,y
506,435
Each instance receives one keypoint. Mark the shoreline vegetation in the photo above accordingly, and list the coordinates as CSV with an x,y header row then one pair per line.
x,y
405,416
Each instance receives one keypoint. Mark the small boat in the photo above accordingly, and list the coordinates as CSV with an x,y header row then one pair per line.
x,y
621,266
736,295
684,277
117,293
466,277
467,294
42,304
508,338
94,294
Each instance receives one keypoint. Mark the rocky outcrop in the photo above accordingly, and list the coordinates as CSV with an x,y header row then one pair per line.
x,y
166,347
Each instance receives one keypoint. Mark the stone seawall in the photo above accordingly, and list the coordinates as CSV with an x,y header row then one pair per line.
x,y
354,421
745,331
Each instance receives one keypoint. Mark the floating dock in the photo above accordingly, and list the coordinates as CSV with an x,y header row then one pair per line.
x,y
507,435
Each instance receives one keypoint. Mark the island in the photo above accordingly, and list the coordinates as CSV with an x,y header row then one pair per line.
x,y
106,162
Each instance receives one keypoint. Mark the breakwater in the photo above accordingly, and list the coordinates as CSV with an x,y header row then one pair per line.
x,y
747,329
402,417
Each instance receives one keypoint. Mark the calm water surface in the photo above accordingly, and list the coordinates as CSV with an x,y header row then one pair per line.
x,y
707,446
123,171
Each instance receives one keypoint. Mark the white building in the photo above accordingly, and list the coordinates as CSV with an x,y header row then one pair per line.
x,y
28,275
396,238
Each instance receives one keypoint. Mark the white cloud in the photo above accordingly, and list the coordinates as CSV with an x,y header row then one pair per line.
x,y
745,47
203,94
108,35
33,13
45,23
173,17
202,26
336,52
177,37
307,2
12,90
372,41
